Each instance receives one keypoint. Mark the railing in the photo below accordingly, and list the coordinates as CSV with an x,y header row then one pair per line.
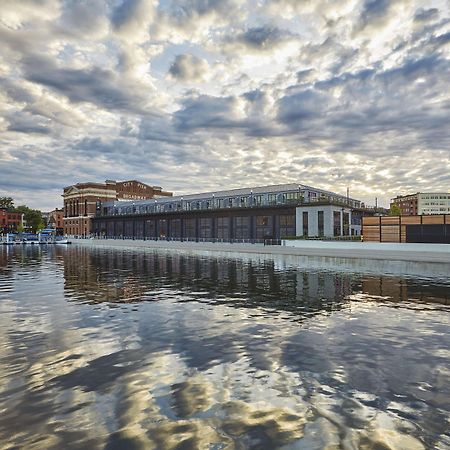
x,y
163,207
186,239
323,238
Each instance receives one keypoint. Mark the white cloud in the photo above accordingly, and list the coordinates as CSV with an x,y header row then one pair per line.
x,y
209,94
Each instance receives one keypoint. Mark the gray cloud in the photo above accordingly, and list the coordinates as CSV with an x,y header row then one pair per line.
x,y
124,13
207,112
422,15
94,85
374,10
188,68
16,91
261,38
183,11
300,107
26,124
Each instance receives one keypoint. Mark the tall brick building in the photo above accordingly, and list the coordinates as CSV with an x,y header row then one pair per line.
x,y
82,199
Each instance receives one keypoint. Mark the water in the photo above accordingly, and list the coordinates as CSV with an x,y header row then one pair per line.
x,y
114,349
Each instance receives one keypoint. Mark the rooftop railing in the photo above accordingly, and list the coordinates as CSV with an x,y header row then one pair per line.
x,y
218,204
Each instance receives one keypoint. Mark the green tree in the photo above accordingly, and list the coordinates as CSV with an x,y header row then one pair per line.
x,y
7,202
395,210
32,217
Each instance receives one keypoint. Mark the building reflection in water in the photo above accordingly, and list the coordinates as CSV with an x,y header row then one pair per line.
x,y
116,276
109,349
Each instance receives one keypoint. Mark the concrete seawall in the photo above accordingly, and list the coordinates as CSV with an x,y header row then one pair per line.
x,y
439,253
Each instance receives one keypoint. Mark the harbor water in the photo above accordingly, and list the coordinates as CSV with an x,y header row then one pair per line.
x,y
105,348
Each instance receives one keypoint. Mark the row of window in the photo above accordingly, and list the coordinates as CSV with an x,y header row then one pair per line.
x,y
221,227
218,203
425,210
75,208
436,204
437,197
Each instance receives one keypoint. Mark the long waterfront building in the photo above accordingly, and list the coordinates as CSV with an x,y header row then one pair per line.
x,y
260,212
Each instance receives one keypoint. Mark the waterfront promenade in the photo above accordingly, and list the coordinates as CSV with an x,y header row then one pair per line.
x,y
436,253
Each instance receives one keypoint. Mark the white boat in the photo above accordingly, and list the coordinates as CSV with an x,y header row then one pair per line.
x,y
62,241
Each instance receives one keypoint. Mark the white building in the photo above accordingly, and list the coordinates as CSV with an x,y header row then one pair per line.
x,y
324,221
433,203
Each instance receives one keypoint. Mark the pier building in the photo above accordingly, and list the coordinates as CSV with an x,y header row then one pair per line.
x,y
262,212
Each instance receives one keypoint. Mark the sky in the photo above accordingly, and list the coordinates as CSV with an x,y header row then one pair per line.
x,y
202,95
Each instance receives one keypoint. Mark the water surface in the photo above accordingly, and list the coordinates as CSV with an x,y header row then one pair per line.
x,y
115,349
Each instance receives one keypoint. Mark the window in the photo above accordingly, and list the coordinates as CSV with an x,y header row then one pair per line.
x,y
258,200
162,225
223,227
292,197
336,223
320,223
189,228
205,227
264,227
305,223
346,224
242,227
287,225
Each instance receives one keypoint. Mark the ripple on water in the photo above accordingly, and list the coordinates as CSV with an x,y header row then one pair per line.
x,y
105,349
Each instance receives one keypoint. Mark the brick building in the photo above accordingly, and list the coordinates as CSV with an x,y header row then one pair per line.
x,y
423,203
56,220
82,199
9,221
407,204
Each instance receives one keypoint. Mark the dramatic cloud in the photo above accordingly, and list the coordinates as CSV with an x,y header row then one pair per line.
x,y
195,95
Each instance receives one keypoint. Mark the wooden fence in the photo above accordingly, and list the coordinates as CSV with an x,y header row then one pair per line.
x,y
395,228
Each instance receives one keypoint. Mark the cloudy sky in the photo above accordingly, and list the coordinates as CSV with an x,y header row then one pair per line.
x,y
197,95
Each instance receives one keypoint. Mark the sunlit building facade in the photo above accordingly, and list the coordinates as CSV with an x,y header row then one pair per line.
x,y
81,200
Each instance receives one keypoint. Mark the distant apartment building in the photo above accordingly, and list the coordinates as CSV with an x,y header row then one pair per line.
x,y
81,200
9,221
423,203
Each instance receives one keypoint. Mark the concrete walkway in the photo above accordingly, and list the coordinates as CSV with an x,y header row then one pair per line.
x,y
428,253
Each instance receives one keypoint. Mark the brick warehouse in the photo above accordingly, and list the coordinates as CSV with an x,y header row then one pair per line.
x,y
82,199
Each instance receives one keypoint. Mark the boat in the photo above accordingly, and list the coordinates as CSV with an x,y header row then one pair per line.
x,y
62,241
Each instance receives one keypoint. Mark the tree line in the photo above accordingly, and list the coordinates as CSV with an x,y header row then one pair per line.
x,y
32,217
